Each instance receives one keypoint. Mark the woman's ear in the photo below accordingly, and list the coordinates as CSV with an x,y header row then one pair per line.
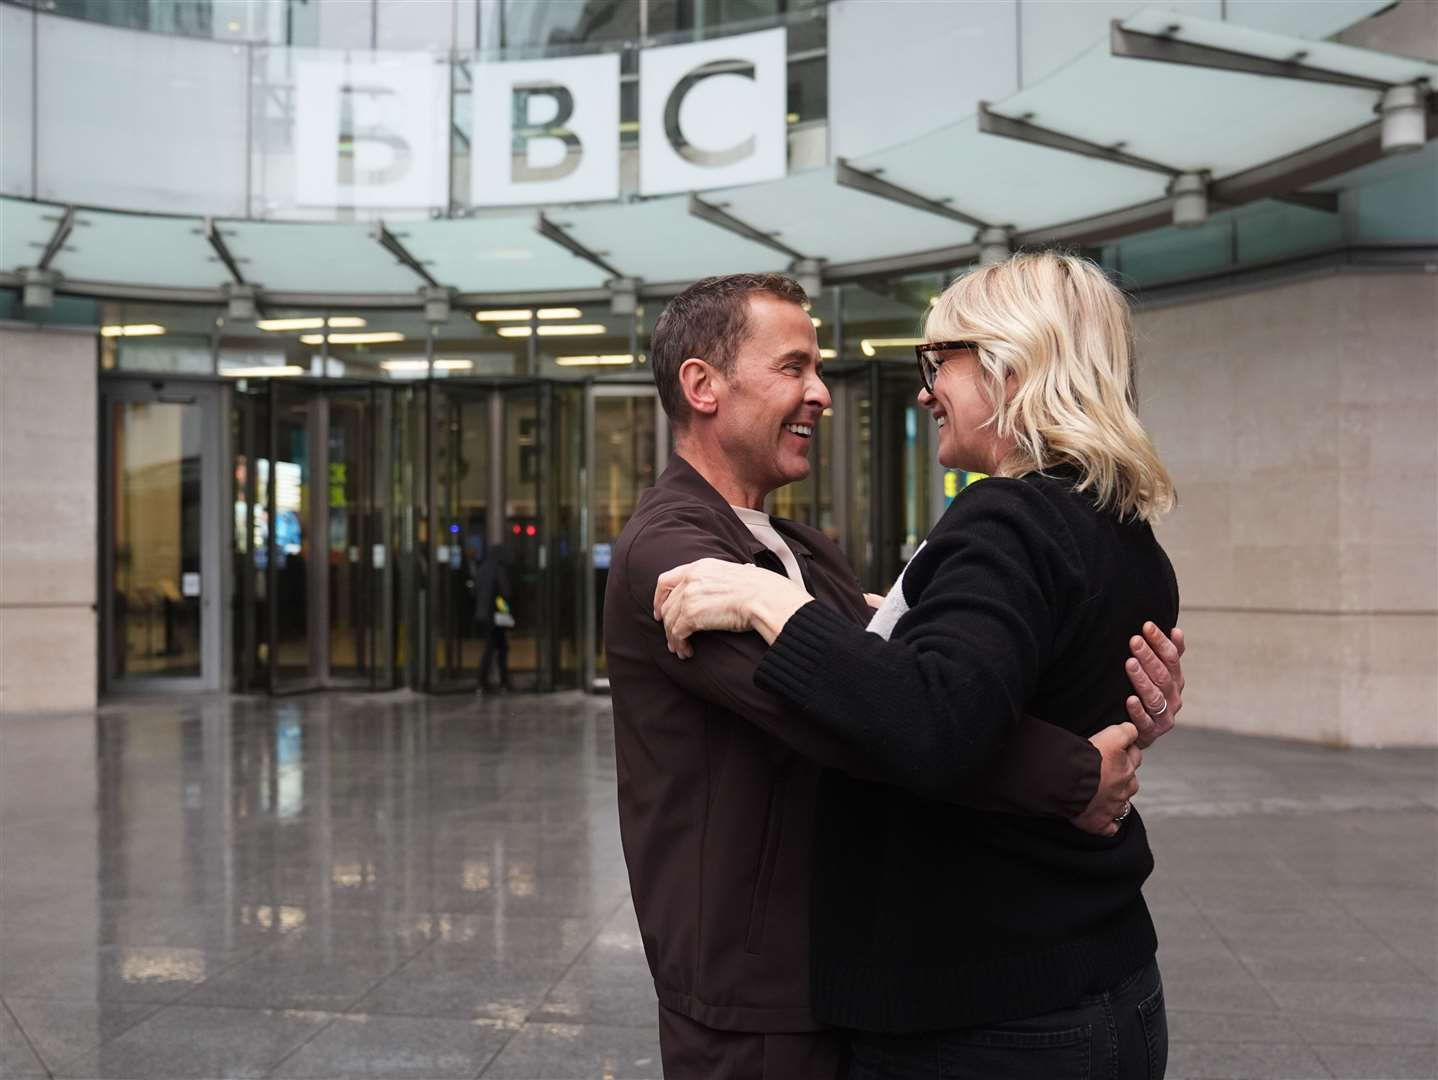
x,y
697,380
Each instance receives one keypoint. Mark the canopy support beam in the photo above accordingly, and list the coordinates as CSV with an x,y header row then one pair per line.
x,y
64,225
222,251
991,123
552,232
1168,49
845,175
717,215
391,243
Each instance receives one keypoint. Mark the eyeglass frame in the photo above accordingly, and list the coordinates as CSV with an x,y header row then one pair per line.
x,y
926,378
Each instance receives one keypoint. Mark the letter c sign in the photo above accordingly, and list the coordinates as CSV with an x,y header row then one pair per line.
x,y
712,114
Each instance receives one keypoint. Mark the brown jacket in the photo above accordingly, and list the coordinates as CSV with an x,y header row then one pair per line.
x,y
718,781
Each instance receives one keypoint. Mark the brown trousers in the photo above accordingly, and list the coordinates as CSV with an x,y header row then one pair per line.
x,y
692,1051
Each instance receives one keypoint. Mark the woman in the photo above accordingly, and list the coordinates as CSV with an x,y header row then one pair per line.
x,y
954,942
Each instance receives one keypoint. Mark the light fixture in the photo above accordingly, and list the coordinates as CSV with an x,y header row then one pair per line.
x,y
39,289
507,315
827,354
871,346
994,245
240,301
376,337
515,331
818,322
809,273
559,313
261,372
573,330
132,330
1190,200
281,325
623,296
610,360
420,364
337,322
1405,127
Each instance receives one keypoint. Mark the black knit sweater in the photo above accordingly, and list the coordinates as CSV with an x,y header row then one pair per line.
x,y
927,915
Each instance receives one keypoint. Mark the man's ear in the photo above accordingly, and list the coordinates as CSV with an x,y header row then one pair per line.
x,y
699,383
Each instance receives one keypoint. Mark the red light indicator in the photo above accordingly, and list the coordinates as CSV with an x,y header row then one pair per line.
x,y
531,531
516,530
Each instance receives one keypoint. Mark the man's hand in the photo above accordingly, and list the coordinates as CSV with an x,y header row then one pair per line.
x,y
1117,782
1156,672
874,600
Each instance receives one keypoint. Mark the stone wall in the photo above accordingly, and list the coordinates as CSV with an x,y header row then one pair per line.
x,y
1300,422
48,504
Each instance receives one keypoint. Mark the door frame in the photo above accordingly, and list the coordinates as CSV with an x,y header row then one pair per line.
x,y
589,636
215,496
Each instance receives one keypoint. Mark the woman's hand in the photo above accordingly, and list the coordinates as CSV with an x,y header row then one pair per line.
x,y
712,594
1117,782
1156,672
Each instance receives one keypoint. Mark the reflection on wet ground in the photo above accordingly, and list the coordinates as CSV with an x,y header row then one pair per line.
x,y
400,886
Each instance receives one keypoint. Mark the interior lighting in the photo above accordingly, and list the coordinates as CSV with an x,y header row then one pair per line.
x,y
573,330
346,322
828,354
1405,127
559,313
871,346
1190,200
376,337
280,325
514,331
420,364
132,330
611,360
818,322
261,372
509,315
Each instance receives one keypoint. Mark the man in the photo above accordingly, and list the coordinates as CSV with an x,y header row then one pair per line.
x,y
718,781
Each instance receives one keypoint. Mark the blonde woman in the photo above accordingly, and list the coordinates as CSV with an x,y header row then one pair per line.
x,y
954,942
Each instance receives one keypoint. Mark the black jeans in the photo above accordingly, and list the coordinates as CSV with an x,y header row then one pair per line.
x,y
1121,1034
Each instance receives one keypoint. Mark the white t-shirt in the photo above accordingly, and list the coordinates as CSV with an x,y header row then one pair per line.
x,y
766,534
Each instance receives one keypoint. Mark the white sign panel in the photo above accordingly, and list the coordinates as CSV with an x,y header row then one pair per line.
x,y
711,114
545,131
370,132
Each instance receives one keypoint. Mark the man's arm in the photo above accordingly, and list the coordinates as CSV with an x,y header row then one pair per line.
x,y
1042,770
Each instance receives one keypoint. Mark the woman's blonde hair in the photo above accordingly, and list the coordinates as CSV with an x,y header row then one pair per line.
x,y
1061,330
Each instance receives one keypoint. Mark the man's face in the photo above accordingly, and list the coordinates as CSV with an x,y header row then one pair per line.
x,y
772,402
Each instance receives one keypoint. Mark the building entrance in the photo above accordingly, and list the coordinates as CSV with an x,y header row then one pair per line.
x,y
313,537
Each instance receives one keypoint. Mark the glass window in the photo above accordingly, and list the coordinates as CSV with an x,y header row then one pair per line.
x,y
170,338
586,341
389,345
470,344
525,26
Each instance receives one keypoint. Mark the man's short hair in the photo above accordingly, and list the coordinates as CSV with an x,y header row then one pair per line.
x,y
708,320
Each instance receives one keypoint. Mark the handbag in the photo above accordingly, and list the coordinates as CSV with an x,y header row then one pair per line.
x,y
503,617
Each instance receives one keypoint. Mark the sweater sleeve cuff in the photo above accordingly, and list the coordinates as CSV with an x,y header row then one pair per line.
x,y
793,662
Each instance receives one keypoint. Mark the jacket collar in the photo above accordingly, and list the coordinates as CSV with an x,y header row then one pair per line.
x,y
682,477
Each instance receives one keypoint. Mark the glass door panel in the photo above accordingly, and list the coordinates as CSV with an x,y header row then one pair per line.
x,y
523,532
155,539
627,441
460,482
355,524
161,515
285,525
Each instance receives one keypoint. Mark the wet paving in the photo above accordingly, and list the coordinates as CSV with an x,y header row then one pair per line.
x,y
400,886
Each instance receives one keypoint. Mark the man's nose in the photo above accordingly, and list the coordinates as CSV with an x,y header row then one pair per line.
x,y
818,393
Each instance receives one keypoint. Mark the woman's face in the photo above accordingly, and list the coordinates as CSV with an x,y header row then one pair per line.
x,y
961,409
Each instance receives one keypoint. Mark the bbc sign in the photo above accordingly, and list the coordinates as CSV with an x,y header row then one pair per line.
x,y
370,132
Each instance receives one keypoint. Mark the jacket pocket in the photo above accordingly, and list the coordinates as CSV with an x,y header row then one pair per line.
x,y
768,860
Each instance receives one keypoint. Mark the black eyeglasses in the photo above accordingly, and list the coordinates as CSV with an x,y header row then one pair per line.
x,y
931,355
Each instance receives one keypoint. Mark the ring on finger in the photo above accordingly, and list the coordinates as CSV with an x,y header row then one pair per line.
x,y
1127,809
1156,713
